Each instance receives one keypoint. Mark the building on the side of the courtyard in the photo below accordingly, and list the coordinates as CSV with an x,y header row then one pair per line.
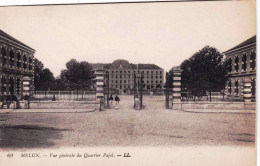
x,y
242,71
16,66
121,75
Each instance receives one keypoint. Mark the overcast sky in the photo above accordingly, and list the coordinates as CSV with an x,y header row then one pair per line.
x,y
161,33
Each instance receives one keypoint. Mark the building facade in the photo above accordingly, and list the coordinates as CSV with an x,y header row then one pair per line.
x,y
16,66
242,71
121,75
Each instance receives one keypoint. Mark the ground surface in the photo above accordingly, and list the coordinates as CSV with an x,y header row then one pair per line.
x,y
152,126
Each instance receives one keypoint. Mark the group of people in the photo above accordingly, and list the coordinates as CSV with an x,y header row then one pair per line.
x,y
13,102
111,100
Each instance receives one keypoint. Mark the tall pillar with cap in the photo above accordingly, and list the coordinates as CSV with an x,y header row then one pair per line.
x,y
247,93
176,95
100,78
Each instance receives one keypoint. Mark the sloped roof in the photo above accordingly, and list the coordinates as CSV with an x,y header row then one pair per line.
x,y
145,66
247,42
2,33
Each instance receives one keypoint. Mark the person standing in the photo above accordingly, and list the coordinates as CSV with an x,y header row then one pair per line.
x,y
110,99
27,101
14,101
117,99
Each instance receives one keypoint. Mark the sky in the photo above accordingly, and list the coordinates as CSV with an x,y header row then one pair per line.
x,y
164,34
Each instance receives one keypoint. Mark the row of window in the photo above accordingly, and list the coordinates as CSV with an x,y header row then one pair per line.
x,y
12,83
124,76
125,72
236,87
18,57
244,62
128,86
120,81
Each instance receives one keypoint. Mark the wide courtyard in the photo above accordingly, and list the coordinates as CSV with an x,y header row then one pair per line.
x,y
152,126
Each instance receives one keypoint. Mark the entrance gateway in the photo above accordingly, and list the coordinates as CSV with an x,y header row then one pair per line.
x,y
138,78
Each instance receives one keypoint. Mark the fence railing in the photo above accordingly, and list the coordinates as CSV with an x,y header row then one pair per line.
x,y
215,96
65,95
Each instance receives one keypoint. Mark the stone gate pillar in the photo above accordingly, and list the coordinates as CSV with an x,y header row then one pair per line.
x,y
100,78
247,93
25,86
176,96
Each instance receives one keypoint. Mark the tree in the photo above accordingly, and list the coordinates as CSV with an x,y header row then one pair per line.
x,y
78,75
46,80
43,77
205,71
38,67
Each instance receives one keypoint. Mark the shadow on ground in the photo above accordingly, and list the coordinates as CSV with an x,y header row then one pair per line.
x,y
28,136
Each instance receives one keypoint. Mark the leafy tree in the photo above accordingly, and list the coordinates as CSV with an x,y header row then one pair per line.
x,y
78,75
38,67
205,71
46,80
43,77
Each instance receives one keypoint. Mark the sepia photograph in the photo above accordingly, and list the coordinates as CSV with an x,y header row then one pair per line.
x,y
147,83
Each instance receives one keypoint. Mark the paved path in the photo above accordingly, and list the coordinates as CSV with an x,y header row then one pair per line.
x,y
4,111
219,111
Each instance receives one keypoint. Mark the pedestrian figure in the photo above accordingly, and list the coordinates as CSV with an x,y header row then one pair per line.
x,y
27,101
110,99
137,103
171,102
8,101
117,99
14,101
2,101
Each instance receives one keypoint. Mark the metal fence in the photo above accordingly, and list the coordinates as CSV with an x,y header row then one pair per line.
x,y
65,95
215,96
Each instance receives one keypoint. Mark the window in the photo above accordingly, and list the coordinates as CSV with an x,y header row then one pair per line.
x,y
236,63
236,87
229,87
252,59
229,65
11,58
3,58
244,61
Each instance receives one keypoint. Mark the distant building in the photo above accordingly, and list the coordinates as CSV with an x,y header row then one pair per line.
x,y
121,74
16,64
242,59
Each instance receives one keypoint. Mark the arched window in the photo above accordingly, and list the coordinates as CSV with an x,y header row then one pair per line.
x,y
229,87
18,85
11,85
18,60
12,58
236,63
3,52
252,58
244,61
3,58
236,87
3,80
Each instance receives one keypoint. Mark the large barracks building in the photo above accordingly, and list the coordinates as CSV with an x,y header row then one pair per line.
x,y
121,74
16,66
242,77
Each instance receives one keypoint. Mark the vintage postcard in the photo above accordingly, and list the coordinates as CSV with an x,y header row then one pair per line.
x,y
154,83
